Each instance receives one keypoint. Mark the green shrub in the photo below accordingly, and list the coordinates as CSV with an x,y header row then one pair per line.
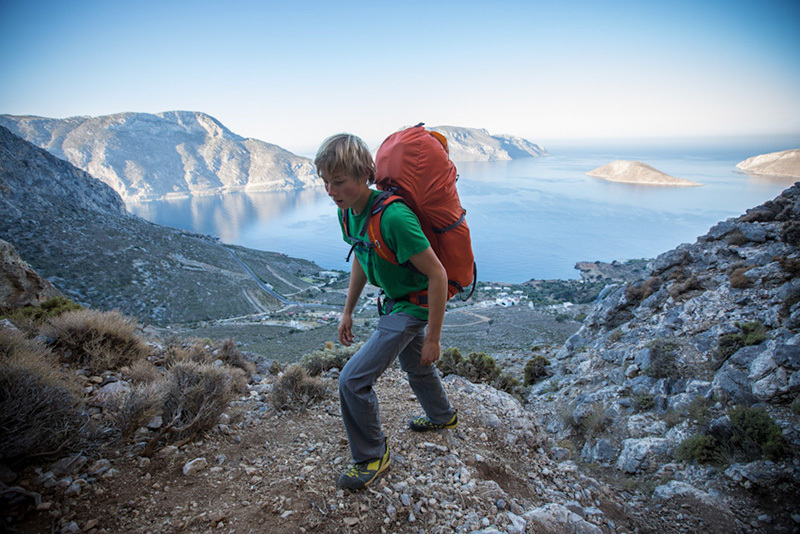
x,y
662,359
52,307
96,340
756,435
644,402
296,389
701,448
750,333
321,361
39,404
477,367
535,369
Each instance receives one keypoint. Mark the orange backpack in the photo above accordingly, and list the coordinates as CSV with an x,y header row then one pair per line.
x,y
413,166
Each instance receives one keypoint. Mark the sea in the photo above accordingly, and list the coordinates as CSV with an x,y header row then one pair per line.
x,y
531,218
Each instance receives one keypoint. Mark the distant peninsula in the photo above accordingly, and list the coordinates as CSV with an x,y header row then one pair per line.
x,y
477,144
785,163
636,172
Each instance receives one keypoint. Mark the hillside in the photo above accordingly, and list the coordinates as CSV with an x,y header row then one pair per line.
x,y
636,172
474,144
145,156
74,230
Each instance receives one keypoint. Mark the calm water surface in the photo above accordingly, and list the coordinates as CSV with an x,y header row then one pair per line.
x,y
530,218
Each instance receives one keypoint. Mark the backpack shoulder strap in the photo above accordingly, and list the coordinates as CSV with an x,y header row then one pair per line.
x,y
373,225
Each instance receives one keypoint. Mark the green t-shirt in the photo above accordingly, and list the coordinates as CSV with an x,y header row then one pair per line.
x,y
402,233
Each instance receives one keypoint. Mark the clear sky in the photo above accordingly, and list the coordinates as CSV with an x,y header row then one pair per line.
x,y
294,72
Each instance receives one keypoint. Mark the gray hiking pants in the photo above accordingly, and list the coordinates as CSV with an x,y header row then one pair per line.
x,y
400,335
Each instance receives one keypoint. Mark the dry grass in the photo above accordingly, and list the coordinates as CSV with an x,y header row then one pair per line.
x,y
295,389
39,404
738,279
96,340
207,352
133,410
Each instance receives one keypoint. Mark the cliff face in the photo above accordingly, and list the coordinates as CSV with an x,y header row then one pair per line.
x,y
178,153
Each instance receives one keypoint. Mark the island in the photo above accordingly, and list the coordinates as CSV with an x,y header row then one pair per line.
x,y
784,163
636,172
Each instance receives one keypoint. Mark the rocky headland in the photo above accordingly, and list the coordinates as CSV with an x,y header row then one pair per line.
x,y
636,172
477,144
145,156
784,163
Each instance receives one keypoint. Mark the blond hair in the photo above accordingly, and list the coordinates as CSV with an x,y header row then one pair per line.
x,y
345,154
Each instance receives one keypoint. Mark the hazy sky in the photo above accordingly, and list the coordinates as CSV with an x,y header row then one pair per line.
x,y
294,72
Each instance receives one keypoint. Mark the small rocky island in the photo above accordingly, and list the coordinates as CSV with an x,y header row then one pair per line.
x,y
785,163
636,172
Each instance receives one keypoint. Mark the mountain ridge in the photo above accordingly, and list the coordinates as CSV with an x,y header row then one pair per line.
x,y
148,156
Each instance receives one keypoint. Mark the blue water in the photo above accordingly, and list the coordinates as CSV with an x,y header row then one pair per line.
x,y
531,218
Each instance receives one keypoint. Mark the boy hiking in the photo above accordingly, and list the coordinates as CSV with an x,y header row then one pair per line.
x,y
346,166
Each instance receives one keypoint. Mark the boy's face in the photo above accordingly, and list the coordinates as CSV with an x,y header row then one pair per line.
x,y
347,191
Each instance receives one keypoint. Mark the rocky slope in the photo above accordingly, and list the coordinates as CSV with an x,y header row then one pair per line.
x,y
714,326
474,144
74,231
636,172
147,156
785,163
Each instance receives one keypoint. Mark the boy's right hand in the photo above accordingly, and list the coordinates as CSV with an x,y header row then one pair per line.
x,y
346,330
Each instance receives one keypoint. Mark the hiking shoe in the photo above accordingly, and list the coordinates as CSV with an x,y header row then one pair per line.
x,y
423,424
362,474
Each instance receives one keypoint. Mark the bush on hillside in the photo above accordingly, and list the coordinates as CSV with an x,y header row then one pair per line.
x,y
207,352
755,435
663,362
296,389
39,405
737,278
751,435
133,410
479,368
638,291
750,333
535,369
321,361
96,340
25,316
194,397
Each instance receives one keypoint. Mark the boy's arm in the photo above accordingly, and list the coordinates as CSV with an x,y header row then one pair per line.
x,y
357,282
428,264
